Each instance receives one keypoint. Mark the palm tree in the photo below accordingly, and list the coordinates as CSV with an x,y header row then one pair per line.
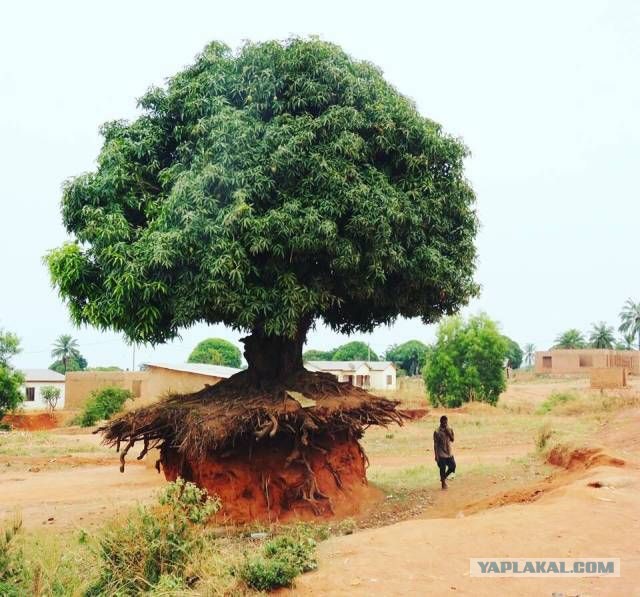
x,y
625,342
630,320
64,349
601,335
572,338
529,353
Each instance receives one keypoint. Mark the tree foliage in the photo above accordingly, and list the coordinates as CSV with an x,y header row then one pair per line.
x,y
51,396
9,346
514,353
410,356
630,320
216,351
65,349
354,351
280,183
529,353
467,362
318,355
76,363
11,394
572,338
602,336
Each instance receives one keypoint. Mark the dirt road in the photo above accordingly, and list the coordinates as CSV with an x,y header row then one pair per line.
x,y
585,512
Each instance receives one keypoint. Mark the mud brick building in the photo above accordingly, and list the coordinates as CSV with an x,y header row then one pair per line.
x,y
571,361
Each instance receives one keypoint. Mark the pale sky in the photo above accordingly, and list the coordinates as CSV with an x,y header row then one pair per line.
x,y
546,94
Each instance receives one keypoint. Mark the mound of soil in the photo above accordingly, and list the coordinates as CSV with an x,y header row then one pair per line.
x,y
278,482
414,414
581,458
32,422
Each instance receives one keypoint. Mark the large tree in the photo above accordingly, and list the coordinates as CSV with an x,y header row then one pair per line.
x,y
514,353
529,353
467,362
65,348
268,189
572,338
410,356
630,320
355,350
11,394
602,335
265,189
216,351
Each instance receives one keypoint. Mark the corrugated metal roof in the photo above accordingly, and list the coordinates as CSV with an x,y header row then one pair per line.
x,y
198,368
349,365
41,375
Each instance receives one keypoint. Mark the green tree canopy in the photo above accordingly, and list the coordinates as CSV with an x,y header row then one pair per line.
x,y
11,394
514,353
467,362
354,351
630,320
572,338
317,355
264,189
216,351
75,363
65,348
602,335
9,346
529,353
410,356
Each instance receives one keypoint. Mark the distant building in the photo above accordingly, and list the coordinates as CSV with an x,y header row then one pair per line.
x,y
579,360
156,381
34,381
370,375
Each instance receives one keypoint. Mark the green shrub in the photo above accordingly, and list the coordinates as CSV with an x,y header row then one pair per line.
x,y
152,548
102,404
554,400
282,560
466,363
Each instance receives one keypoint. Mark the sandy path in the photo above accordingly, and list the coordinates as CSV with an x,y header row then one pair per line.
x,y
570,519
421,557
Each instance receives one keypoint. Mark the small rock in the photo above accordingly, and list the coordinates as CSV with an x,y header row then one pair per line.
x,y
34,469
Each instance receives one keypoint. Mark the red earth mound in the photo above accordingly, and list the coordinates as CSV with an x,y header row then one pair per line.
x,y
581,458
413,414
32,422
274,482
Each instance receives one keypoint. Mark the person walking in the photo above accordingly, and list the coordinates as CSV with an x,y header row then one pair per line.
x,y
443,451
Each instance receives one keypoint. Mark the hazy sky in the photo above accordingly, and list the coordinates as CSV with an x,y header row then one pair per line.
x,y
545,94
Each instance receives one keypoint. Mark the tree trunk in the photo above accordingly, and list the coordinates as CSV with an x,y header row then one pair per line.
x,y
274,358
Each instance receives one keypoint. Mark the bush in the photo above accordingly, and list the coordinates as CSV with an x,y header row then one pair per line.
x,y
283,559
466,363
51,396
102,404
152,549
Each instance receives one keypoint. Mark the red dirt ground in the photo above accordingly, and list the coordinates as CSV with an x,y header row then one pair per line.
x,y
32,421
261,486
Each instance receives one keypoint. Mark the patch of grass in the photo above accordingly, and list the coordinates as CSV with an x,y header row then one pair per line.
x,y
556,399
574,404
42,443
543,436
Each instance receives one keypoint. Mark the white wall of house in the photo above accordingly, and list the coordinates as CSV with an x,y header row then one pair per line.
x,y
360,374
38,402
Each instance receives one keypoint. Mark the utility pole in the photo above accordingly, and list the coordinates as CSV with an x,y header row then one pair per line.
x,y
133,358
